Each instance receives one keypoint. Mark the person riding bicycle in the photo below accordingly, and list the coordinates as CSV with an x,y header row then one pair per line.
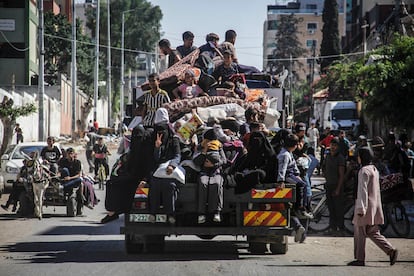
x,y
100,152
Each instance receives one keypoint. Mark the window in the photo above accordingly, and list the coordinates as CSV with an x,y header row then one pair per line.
x,y
272,25
312,26
311,6
310,43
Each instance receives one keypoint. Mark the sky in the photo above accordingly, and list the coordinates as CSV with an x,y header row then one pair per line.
x,y
201,17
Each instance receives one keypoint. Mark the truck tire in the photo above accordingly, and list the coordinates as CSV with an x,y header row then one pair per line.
x,y
71,205
257,247
155,243
280,247
132,246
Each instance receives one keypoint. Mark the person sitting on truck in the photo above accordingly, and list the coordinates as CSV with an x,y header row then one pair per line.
x,y
153,100
258,165
188,89
210,159
288,172
165,47
166,149
187,47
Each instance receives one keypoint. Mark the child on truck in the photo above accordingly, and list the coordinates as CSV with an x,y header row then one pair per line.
x,y
288,172
211,158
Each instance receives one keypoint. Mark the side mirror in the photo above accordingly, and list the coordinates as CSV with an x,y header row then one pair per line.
x,y
329,118
5,157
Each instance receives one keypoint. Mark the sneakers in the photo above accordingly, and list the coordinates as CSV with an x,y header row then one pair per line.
x,y
302,214
5,207
356,263
300,233
393,256
217,217
201,219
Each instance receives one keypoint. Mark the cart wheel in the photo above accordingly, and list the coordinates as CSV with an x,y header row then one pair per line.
x,y
71,205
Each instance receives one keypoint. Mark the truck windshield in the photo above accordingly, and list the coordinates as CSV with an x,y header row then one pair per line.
x,y
344,114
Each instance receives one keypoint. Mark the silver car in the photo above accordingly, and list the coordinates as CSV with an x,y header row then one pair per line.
x,y
12,160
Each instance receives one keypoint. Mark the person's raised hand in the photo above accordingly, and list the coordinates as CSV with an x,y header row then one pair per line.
x,y
158,141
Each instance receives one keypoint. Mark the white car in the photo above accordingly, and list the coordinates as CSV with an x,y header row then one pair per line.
x,y
12,160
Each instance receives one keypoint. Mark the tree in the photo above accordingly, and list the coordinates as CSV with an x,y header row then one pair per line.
x,y
142,35
8,115
386,86
287,43
330,46
58,45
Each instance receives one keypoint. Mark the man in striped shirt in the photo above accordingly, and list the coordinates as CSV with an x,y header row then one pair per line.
x,y
153,99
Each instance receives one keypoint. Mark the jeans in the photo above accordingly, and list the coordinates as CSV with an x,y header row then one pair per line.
x,y
68,185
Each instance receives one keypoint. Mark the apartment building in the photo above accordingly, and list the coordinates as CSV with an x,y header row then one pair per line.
x,y
309,12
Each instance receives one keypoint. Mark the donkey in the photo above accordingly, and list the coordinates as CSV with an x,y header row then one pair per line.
x,y
39,177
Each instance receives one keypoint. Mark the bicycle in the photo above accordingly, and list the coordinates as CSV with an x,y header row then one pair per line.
x,y
320,221
394,215
101,176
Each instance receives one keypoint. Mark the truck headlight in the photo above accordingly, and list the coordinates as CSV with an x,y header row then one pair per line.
x,y
12,170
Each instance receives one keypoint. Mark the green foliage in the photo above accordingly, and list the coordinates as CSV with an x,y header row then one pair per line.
x,y
141,33
10,112
58,36
288,44
330,45
385,86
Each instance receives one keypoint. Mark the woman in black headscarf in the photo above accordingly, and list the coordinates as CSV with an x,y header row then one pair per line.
x,y
166,149
129,171
258,165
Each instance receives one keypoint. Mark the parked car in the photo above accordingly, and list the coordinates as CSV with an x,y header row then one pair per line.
x,y
12,160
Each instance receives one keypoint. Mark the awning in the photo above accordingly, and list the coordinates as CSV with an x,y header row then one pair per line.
x,y
321,94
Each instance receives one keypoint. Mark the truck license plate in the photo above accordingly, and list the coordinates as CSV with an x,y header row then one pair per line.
x,y
146,218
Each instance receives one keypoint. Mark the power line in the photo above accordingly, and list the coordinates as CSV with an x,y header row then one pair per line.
x,y
11,44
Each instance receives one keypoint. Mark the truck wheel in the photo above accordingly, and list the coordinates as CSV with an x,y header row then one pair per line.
x,y
132,246
71,205
280,247
257,247
155,243
26,205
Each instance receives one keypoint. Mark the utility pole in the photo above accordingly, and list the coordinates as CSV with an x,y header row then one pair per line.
x,y
291,85
73,77
364,36
108,80
121,102
96,87
41,83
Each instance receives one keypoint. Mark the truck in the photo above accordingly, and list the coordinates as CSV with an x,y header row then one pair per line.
x,y
338,115
262,214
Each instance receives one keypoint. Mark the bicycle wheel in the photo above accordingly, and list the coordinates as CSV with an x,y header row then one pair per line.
x,y
348,216
399,220
320,221
101,176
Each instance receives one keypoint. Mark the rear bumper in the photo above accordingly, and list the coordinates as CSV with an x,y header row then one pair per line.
x,y
168,230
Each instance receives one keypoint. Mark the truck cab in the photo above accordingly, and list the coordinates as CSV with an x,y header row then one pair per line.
x,y
340,115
